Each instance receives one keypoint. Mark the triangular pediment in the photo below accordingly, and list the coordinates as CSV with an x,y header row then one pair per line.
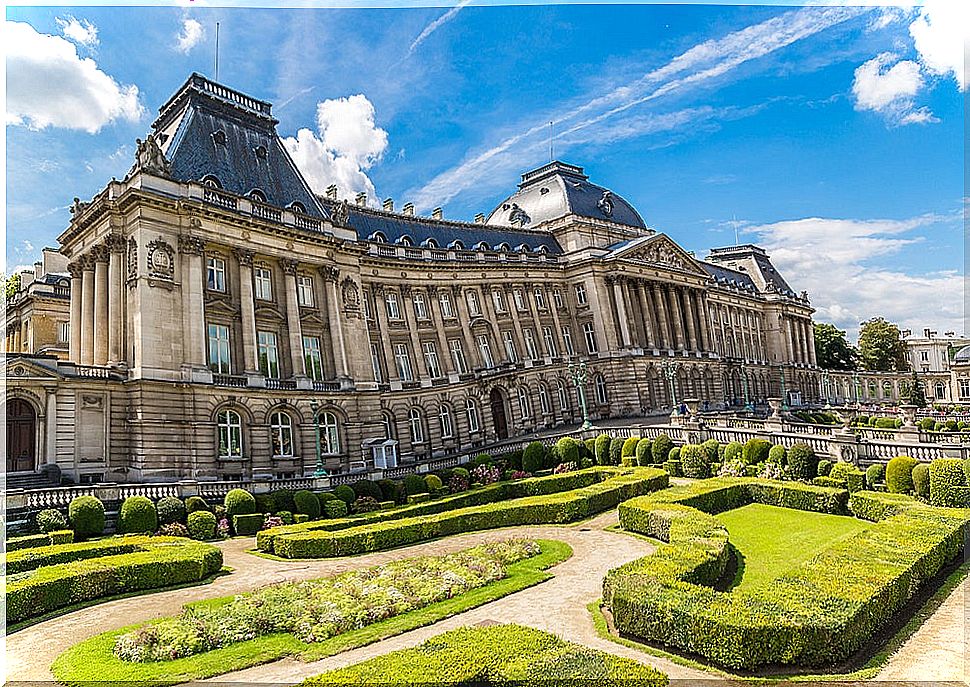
x,y
660,251
18,367
220,306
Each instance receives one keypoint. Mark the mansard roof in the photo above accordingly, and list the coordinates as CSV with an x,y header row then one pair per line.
x,y
755,262
727,276
207,130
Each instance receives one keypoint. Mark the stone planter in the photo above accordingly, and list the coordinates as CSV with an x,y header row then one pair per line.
x,y
775,404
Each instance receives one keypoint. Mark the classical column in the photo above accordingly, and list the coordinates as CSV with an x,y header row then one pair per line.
x,y
745,334
331,274
193,302
471,350
536,321
676,318
74,328
811,344
293,327
703,314
444,353
665,338
789,345
516,323
87,311
648,316
101,324
605,338
691,327
412,311
116,300
621,314
248,308
380,316
557,323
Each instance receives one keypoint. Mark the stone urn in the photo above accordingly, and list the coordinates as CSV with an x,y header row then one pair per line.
x,y
908,411
693,404
775,404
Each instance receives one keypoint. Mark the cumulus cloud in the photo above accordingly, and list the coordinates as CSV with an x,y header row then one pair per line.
x,y
941,34
890,90
81,31
841,263
347,143
49,84
190,36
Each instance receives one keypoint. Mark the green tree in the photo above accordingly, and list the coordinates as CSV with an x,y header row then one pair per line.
x,y
881,347
917,392
13,284
832,349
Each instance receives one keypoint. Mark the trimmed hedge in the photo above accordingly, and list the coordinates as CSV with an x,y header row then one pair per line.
x,y
533,457
661,448
824,468
346,494
247,524
899,474
802,461
601,449
33,541
643,453
137,516
695,461
672,467
616,451
170,509
365,487
552,508
195,503
307,503
755,451
497,655
201,525
73,573
875,474
239,502
50,520
778,455
335,508
568,450
86,514
413,484
948,483
630,447
817,613
733,451
921,480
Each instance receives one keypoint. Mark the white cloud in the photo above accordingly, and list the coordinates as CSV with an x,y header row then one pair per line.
x,y
80,31
348,144
190,36
890,90
941,34
436,24
839,261
49,84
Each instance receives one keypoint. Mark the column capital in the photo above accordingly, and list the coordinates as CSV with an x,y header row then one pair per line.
x,y
405,290
289,266
86,263
75,269
116,243
457,290
100,253
244,256
329,272
191,245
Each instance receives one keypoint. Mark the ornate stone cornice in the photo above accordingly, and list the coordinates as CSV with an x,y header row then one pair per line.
x,y
244,256
191,245
289,266
75,268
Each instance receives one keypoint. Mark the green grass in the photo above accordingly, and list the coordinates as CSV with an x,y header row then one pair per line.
x,y
771,540
94,661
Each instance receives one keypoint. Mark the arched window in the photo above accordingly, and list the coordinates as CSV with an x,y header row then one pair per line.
x,y
329,434
257,195
389,425
471,412
456,245
481,245
281,434
523,248
211,181
429,243
940,391
887,389
230,434
525,409
298,207
405,241
503,247
599,387
445,421
872,389
544,404
377,237
417,426
563,397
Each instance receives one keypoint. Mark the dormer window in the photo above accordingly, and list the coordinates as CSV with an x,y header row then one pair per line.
x,y
219,137
297,206
377,237
503,248
405,241
257,195
211,181
482,246
523,248
456,245
261,152
429,243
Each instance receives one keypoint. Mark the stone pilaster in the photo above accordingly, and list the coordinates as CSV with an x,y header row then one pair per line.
x,y
331,274
87,310
621,313
380,315
248,309
116,299
193,302
101,322
294,329
76,312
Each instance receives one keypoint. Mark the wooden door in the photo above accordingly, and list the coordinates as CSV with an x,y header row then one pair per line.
x,y
21,436
498,414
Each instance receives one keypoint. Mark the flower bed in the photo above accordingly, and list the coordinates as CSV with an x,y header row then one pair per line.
x,y
502,654
48,578
817,613
561,507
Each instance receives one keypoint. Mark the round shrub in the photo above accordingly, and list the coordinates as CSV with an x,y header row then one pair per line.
x,y
50,520
778,454
307,503
86,515
948,483
674,453
711,447
365,487
336,508
629,447
602,449
568,450
195,503
481,459
433,481
461,472
282,500
841,470
323,497
927,424
886,423
202,525
514,458
239,502
661,448
694,461
824,468
414,484
899,475
170,510
616,451
533,457
587,449
802,461
732,451
874,474
137,515
643,453
951,425
552,457
393,489
346,494
755,451
921,480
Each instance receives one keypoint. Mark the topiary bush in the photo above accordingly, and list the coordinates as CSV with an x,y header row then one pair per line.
x,y
616,451
921,480
50,520
824,468
732,452
602,449
694,461
778,455
336,508
927,424
629,447
391,490
899,475
875,474
533,457
674,453
712,448
170,510
366,504
643,453
587,449
239,502
568,449
413,484
137,516
86,515
282,500
195,503
755,451
948,483
307,503
802,461
346,494
248,524
201,525
661,448
365,487
433,481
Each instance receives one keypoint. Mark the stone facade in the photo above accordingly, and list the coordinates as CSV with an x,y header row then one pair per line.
x,y
225,321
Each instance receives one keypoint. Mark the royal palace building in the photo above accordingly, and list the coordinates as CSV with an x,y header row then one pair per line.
x,y
213,316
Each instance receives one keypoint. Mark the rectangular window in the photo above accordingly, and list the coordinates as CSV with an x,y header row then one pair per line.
x,y
471,412
447,310
219,361
474,305
549,340
964,389
567,340
924,356
215,274
393,309
486,350
510,352
581,294
269,358
590,337
264,283
403,360
458,356
530,344
431,359
557,298
304,291
368,313
540,299
312,357
519,299
420,306
499,299
63,332
375,362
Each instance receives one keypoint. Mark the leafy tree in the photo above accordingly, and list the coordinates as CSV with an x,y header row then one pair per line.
x,y
13,284
881,346
832,349
916,393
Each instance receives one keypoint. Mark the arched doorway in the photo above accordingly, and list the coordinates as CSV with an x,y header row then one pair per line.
x,y
499,420
21,436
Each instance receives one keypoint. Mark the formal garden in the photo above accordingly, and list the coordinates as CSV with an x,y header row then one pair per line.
x,y
754,559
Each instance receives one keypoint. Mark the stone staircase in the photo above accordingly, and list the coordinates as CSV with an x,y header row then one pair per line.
x,y
34,480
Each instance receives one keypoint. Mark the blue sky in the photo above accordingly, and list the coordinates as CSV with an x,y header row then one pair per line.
x,y
833,136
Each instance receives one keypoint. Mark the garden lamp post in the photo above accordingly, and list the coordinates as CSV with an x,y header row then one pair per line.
x,y
577,370
319,471
669,370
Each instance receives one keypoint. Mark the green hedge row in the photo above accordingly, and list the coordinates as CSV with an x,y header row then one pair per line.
x,y
493,493
531,510
817,613
32,541
501,654
70,575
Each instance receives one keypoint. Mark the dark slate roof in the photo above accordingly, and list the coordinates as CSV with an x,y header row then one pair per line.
x,y
724,275
195,150
368,222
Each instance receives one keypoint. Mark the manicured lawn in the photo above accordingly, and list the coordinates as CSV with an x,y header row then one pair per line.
x,y
772,540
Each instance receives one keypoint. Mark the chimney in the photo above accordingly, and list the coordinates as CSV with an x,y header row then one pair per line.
x,y
927,333
408,209
332,192
480,218
361,199
436,213
905,333
388,205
